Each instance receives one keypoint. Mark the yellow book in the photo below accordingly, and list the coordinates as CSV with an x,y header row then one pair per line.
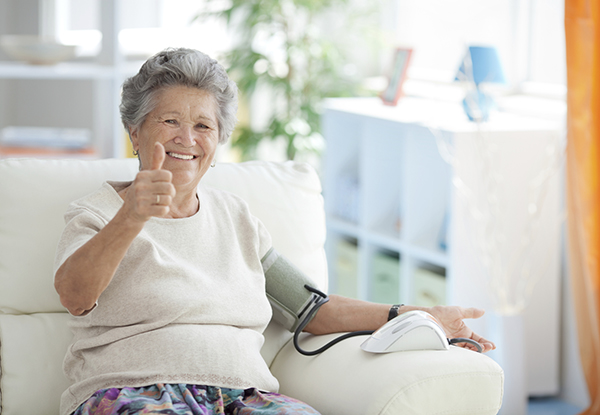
x,y
429,288
347,269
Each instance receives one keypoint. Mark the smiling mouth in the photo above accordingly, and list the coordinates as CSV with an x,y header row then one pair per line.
x,y
181,156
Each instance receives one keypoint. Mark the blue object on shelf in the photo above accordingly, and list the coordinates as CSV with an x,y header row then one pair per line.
x,y
480,65
477,105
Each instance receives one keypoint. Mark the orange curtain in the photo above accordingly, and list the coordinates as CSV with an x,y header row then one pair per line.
x,y
582,29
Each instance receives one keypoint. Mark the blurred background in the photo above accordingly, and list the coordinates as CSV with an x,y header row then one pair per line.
x,y
286,56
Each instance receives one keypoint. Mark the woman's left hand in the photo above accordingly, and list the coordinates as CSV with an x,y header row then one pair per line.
x,y
451,320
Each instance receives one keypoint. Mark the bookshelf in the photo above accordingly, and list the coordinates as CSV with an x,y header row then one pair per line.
x,y
401,194
409,237
91,90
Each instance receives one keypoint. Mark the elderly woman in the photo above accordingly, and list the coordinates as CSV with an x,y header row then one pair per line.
x,y
164,277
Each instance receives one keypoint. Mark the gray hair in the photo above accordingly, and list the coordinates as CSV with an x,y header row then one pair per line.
x,y
179,67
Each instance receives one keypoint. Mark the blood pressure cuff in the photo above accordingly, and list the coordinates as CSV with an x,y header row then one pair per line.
x,y
290,301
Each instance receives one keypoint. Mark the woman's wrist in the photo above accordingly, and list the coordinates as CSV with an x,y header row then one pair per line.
x,y
395,311
403,308
128,219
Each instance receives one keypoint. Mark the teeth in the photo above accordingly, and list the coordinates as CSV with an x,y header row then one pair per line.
x,y
181,156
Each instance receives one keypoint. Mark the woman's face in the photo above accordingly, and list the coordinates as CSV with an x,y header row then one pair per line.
x,y
184,121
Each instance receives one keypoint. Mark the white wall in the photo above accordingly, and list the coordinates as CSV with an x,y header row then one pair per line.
x,y
548,47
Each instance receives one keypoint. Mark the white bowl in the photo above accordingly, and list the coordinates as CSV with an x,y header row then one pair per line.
x,y
36,50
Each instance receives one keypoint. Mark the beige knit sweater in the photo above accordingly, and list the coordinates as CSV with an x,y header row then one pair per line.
x,y
186,305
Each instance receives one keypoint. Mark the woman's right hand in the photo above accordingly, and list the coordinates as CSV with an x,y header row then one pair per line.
x,y
152,191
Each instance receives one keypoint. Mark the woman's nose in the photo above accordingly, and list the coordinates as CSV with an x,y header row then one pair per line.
x,y
185,136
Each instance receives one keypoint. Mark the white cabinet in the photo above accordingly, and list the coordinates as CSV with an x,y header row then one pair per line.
x,y
401,192
80,95
400,230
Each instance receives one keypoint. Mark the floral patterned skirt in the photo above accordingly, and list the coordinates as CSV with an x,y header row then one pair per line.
x,y
180,399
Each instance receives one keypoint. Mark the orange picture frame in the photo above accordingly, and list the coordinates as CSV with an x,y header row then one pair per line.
x,y
393,92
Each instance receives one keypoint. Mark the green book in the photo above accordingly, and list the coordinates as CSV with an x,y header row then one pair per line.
x,y
385,279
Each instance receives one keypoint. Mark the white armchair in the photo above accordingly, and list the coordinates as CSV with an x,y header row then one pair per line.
x,y
287,198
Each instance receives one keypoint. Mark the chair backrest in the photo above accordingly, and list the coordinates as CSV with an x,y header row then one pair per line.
x,y
33,197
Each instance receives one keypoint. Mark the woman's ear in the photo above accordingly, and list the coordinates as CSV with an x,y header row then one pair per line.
x,y
133,136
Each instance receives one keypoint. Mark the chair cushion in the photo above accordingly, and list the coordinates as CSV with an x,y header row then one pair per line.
x,y
35,195
32,350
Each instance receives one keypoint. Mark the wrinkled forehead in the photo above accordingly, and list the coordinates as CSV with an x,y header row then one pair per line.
x,y
191,103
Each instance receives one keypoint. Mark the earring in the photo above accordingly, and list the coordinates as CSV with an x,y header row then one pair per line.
x,y
213,163
135,152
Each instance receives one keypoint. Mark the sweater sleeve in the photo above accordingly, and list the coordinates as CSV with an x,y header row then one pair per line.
x,y
265,242
81,226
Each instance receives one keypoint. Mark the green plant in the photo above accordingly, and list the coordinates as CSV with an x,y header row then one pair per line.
x,y
280,48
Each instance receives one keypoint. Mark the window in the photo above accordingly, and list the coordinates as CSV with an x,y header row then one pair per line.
x,y
148,26
529,36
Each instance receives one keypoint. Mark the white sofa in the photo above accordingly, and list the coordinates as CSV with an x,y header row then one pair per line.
x,y
287,198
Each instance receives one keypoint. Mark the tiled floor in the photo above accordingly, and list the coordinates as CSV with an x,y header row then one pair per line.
x,y
551,407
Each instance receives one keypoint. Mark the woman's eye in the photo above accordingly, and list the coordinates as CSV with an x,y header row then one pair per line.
x,y
170,121
202,126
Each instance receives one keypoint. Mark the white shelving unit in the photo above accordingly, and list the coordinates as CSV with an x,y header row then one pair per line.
x,y
403,190
391,158
107,73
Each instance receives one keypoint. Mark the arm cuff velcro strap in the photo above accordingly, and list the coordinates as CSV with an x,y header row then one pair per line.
x,y
285,289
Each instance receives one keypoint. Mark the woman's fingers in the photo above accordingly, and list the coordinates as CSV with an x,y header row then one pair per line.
x,y
451,319
151,193
164,190
471,312
485,343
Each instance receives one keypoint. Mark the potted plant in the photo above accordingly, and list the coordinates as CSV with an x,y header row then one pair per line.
x,y
281,48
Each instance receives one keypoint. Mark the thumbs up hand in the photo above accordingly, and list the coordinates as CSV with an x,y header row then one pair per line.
x,y
158,157
152,191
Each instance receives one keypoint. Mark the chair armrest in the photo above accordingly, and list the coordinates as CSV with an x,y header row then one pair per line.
x,y
347,380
